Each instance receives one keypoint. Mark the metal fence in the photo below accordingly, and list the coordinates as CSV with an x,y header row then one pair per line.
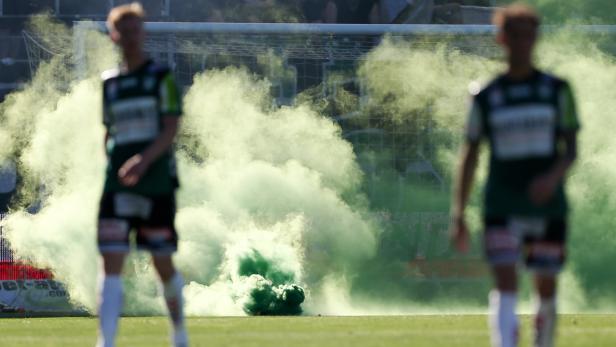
x,y
14,63
6,254
12,268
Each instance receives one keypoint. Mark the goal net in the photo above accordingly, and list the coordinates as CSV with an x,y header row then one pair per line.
x,y
313,61
322,62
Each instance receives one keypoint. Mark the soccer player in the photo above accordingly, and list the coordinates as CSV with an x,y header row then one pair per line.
x,y
528,117
141,110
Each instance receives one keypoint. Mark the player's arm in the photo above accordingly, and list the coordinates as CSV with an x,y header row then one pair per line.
x,y
465,177
163,142
106,121
464,183
135,167
105,139
543,187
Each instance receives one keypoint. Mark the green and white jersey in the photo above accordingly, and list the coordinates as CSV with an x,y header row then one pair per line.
x,y
134,105
523,122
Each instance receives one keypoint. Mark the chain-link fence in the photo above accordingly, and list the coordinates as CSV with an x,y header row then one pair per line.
x,y
320,64
6,255
310,63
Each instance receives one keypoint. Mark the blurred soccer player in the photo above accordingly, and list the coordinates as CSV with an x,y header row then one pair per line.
x,y
141,109
528,117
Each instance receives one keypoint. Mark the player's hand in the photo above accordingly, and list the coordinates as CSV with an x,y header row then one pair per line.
x,y
132,170
459,235
542,189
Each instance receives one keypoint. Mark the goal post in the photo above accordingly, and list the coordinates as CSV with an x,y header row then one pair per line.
x,y
338,29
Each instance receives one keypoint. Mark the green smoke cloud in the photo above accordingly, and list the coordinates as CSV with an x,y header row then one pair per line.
x,y
591,70
272,197
404,81
255,180
265,178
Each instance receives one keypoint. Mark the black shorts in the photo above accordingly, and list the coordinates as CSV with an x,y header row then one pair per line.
x,y
541,241
152,218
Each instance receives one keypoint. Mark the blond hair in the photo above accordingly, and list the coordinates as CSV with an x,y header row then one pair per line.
x,y
122,12
505,17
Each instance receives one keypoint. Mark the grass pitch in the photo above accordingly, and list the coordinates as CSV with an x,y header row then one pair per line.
x,y
389,331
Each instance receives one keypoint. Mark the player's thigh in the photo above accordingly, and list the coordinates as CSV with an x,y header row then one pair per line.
x,y
112,231
545,252
157,233
502,251
502,243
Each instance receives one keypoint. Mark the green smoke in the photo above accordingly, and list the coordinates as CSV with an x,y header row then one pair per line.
x,y
273,207
405,82
274,292
265,180
254,179
591,184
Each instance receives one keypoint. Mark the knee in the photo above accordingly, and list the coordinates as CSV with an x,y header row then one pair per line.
x,y
507,285
505,278
546,287
164,267
112,263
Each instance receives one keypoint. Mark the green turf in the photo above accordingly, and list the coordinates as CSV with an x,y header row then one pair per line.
x,y
391,331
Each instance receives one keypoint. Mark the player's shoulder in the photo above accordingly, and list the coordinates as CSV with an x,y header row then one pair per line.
x,y
158,69
479,89
551,79
110,74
